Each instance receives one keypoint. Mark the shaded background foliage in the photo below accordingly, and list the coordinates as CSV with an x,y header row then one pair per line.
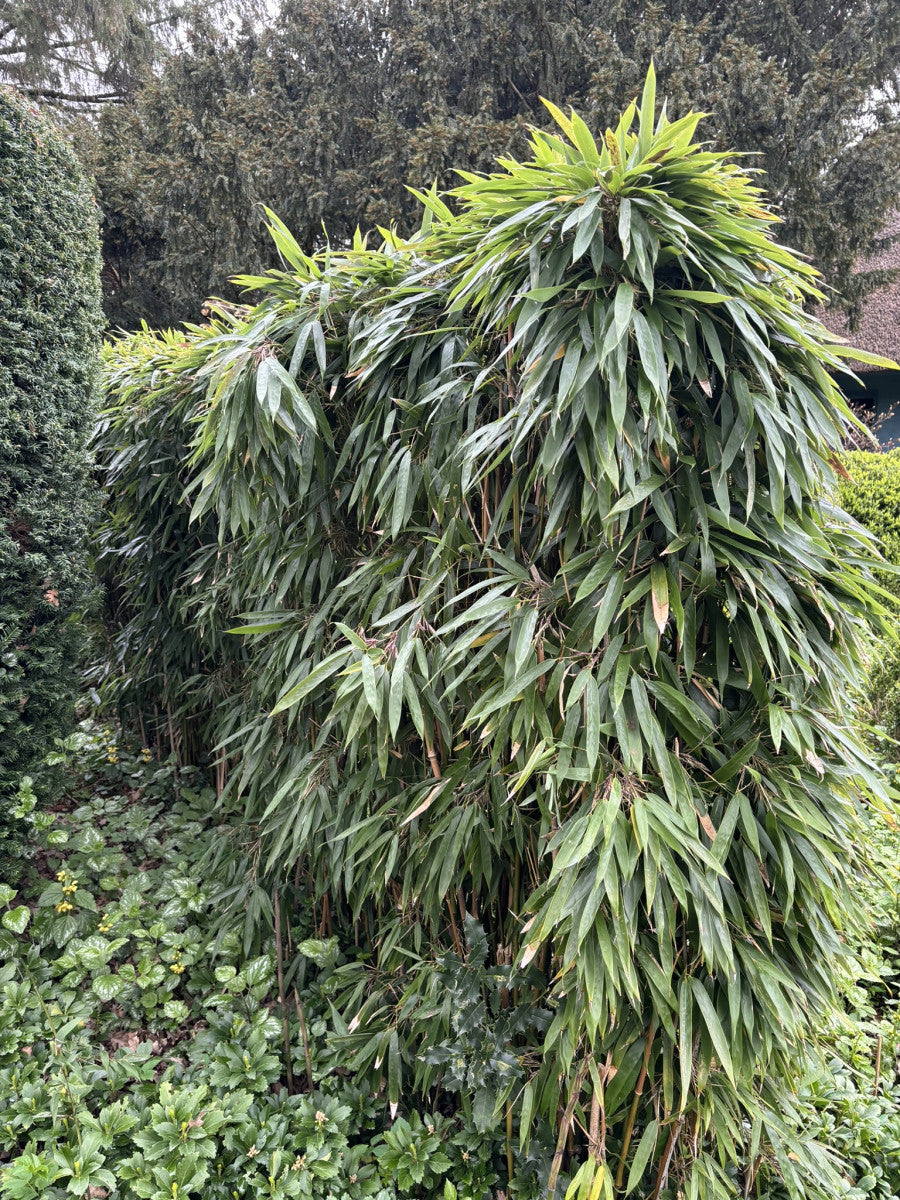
x,y
50,323
326,110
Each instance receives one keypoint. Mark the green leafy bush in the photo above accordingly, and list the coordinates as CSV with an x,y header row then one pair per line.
x,y
50,323
549,623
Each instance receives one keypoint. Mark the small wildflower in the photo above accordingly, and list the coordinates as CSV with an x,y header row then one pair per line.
x,y
320,1117
252,1152
62,876
177,968
299,1163
64,907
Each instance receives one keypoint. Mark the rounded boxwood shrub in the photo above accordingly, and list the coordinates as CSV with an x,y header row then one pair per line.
x,y
50,326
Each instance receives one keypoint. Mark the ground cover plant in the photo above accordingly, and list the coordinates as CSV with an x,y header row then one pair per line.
x,y
541,633
141,1057
50,323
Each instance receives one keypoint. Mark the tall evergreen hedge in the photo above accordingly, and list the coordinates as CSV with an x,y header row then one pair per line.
x,y
50,325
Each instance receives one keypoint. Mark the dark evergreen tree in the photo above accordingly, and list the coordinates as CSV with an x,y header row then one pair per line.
x,y
79,52
327,114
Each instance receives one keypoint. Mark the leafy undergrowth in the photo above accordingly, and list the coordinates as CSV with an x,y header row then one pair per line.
x,y
140,1057
142,1052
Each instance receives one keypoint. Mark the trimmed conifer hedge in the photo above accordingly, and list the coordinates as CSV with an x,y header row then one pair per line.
x,y
871,494
50,326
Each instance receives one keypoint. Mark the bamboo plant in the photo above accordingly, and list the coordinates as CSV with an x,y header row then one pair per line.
x,y
549,634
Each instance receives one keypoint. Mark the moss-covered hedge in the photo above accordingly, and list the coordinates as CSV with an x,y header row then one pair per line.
x,y
50,327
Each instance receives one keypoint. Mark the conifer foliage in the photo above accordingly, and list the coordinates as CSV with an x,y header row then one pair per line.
x,y
547,632
50,322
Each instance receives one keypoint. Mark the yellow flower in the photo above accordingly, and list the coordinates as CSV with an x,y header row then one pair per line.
x,y
177,968
64,907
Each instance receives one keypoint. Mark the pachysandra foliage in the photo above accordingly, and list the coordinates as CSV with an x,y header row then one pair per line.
x,y
548,620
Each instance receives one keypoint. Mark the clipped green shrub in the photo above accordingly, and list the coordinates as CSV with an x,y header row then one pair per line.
x,y
50,324
871,495
551,634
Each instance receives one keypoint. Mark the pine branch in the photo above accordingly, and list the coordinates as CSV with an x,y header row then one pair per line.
x,y
74,97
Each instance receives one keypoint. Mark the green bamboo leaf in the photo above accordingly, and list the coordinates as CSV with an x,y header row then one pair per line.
x,y
318,675
713,1027
623,309
401,492
685,1040
262,626
700,296
645,1148
597,574
395,1073
370,685
542,294
592,722
647,110
625,226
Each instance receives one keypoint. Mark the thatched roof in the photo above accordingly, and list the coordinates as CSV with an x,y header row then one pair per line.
x,y
879,329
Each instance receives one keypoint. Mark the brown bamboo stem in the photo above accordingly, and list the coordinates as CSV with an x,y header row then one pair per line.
x,y
632,1114
279,956
667,1158
305,1037
564,1127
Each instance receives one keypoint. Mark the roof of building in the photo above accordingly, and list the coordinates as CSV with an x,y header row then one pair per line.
x,y
879,328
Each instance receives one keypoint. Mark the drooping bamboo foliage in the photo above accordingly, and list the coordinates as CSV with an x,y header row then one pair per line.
x,y
544,625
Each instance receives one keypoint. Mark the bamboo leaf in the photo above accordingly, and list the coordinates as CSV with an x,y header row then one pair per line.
x,y
659,590
713,1027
